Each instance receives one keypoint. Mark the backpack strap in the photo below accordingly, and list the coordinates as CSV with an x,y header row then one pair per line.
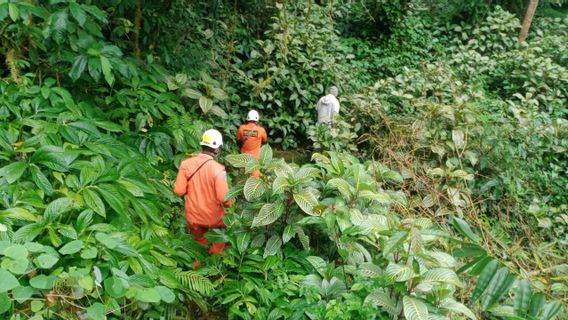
x,y
194,172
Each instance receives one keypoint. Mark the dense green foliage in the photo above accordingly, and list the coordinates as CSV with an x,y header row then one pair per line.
x,y
440,193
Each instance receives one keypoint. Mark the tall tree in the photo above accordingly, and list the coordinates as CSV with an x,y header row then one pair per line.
x,y
533,4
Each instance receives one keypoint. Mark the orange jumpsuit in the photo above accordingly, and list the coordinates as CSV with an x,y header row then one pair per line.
x,y
205,194
256,137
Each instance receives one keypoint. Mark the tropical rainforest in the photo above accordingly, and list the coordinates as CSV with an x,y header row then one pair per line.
x,y
440,192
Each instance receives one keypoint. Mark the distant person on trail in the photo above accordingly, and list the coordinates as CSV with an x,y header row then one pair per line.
x,y
251,136
204,183
328,107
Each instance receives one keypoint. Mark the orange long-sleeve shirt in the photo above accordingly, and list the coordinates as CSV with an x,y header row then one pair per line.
x,y
255,138
205,192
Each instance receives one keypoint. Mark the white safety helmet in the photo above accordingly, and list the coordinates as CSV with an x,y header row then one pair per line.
x,y
212,139
253,116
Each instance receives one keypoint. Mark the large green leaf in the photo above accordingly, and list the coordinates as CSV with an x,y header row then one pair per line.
x,y
132,187
89,253
243,240
252,166
149,295
414,309
94,202
537,303
96,311
46,260
523,298
106,240
234,191
279,185
442,275
13,171
399,273
254,188
380,197
306,200
499,282
370,270
59,25
383,301
464,229
5,302
205,104
484,279
115,287
306,174
78,13
13,11
258,241
272,246
113,197
8,282
288,233
16,266
71,247
58,207
191,93
267,215
265,154
53,157
18,214
239,160
454,306
42,282
304,239
67,100
318,263
166,294
16,252
40,179
551,310
346,190
395,241
107,70
28,232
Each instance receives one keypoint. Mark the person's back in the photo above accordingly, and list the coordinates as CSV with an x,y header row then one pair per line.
x,y
251,135
328,107
205,191
204,183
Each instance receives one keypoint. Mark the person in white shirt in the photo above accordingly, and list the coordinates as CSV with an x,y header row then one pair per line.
x,y
328,107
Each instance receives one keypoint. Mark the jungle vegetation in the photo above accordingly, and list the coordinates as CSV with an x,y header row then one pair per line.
x,y
441,193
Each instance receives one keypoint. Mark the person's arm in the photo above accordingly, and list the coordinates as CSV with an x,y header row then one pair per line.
x,y
180,186
239,134
264,135
336,106
222,188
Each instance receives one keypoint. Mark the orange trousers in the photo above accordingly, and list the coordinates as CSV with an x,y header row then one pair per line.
x,y
198,231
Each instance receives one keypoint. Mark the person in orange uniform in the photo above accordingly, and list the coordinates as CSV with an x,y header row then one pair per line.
x,y
251,136
204,183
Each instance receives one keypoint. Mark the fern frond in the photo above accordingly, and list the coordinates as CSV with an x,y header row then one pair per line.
x,y
194,281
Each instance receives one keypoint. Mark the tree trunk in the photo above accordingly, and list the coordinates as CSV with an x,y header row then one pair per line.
x,y
528,20
137,25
